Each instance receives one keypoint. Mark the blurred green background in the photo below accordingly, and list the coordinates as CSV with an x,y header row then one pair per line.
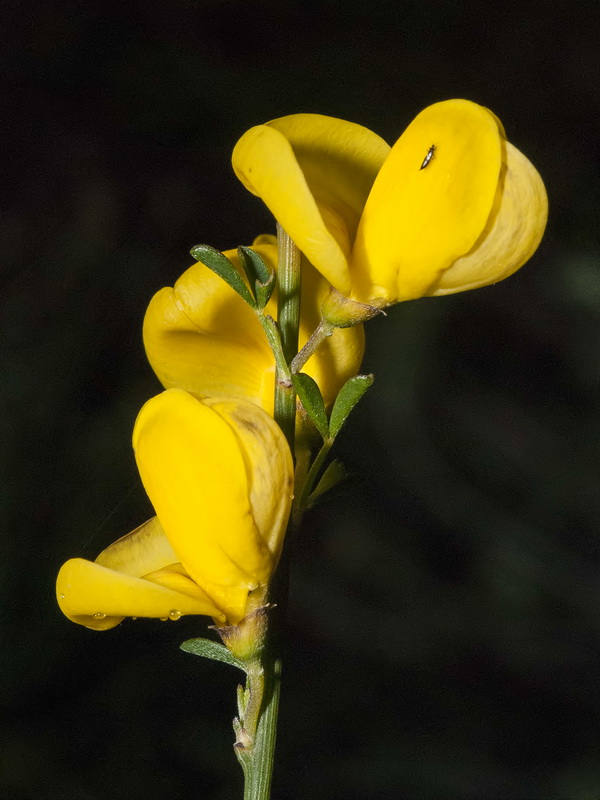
x,y
445,620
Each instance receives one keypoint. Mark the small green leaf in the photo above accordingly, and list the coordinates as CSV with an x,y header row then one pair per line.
x,y
348,397
333,475
223,267
209,649
264,291
254,266
310,395
260,276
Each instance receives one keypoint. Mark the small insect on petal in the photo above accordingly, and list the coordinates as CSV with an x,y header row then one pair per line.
x,y
428,157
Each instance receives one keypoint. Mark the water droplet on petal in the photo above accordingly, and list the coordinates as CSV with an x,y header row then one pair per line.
x,y
134,618
99,615
163,619
174,614
62,597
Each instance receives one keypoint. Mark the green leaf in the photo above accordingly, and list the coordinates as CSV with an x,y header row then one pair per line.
x,y
223,267
312,400
264,291
348,397
209,649
333,475
260,276
254,266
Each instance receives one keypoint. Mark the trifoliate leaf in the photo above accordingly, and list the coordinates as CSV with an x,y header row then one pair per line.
x,y
223,267
312,400
348,397
209,649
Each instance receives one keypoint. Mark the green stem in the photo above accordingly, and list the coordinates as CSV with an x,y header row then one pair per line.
x,y
288,319
255,690
258,764
258,771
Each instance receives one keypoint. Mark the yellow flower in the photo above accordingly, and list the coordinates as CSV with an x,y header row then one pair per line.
x,y
452,206
219,474
202,337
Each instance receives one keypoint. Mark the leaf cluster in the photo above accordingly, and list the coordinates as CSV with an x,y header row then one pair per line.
x,y
258,287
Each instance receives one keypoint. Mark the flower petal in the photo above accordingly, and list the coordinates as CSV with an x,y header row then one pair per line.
x,y
143,550
269,468
100,598
420,217
200,336
200,484
314,173
512,234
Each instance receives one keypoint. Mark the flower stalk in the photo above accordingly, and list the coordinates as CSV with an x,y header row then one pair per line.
x,y
323,331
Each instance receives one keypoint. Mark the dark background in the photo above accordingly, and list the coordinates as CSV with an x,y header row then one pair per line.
x,y
445,608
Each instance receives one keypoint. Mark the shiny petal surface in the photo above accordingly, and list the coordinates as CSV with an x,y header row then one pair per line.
x,y
143,550
419,219
100,598
512,234
200,336
200,482
314,173
269,468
